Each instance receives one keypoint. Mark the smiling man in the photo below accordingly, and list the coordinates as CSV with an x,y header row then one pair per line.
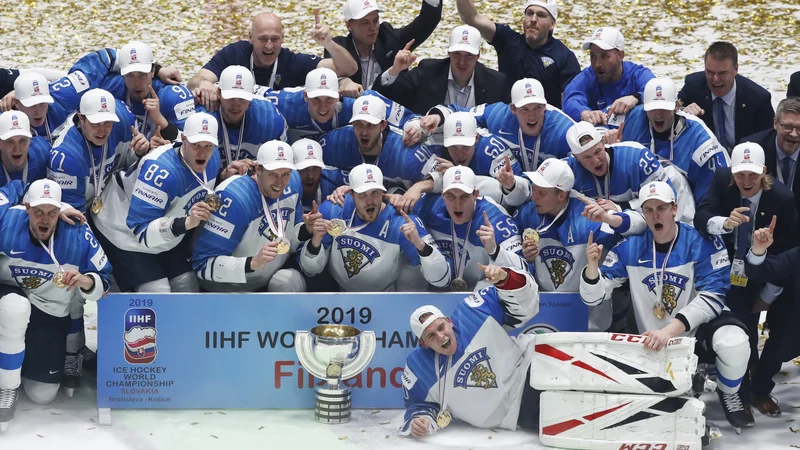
x,y
22,156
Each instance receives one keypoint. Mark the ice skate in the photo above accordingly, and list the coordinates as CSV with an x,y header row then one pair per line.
x,y
735,411
8,404
73,369
89,358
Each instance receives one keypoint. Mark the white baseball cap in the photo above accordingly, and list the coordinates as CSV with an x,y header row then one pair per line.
x,y
307,153
275,154
465,38
748,156
553,173
660,93
98,105
236,82
579,131
356,9
14,123
459,177
135,56
31,89
607,38
656,190
460,128
365,177
322,82
201,127
551,7
527,90
369,108
418,327
43,192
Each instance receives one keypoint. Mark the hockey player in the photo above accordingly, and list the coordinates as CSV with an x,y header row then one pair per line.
x,y
678,281
317,107
472,349
678,139
151,209
22,156
319,181
100,138
361,242
32,96
245,124
470,229
369,140
51,263
245,244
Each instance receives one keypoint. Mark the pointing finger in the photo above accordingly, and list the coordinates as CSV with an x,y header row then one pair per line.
x,y
158,132
405,216
152,91
591,238
481,267
316,16
508,164
772,224
486,219
134,130
408,46
742,209
314,207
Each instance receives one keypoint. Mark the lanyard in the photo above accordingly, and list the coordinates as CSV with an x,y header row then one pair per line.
x,y
319,128
459,256
49,249
542,229
273,225
274,70
530,165
352,218
99,180
47,130
366,75
204,182
144,121
443,381
227,140
24,173
660,278
450,100
606,194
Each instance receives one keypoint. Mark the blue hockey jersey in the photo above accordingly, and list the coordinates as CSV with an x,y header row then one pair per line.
x,y
36,167
489,157
330,179
10,195
584,93
262,122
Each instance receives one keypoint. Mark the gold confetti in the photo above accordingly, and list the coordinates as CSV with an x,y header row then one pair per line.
x,y
387,437
793,430
39,435
194,423
343,438
91,428
375,412
490,436
260,428
384,423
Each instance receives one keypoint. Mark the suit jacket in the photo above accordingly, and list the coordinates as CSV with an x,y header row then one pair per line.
x,y
794,85
752,112
425,86
390,40
766,139
721,198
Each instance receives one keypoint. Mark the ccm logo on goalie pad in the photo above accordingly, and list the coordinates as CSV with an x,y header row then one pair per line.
x,y
648,446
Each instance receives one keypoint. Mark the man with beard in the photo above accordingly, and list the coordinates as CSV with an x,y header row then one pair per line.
x,y
246,243
319,181
361,241
151,209
22,156
535,53
609,88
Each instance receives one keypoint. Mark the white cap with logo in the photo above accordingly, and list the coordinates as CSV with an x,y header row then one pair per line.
x,y
579,131
307,153
356,9
460,128
550,6
607,38
433,313
275,154
369,108
201,127
236,82
527,90
748,156
322,82
43,192
660,93
553,173
31,89
98,105
135,56
14,123
656,190
459,177
465,38
365,177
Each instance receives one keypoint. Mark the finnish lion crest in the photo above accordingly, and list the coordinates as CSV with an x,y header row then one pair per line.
x,y
476,372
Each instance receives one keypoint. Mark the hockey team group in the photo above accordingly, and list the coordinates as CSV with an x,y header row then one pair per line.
x,y
670,211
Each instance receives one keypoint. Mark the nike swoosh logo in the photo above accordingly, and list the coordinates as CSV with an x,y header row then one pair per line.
x,y
645,261
53,372
14,252
503,132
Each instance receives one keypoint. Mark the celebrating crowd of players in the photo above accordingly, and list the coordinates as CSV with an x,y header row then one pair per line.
x,y
275,171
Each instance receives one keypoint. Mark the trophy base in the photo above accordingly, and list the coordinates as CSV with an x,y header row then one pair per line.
x,y
333,405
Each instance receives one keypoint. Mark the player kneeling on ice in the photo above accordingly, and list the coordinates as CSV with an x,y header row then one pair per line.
x,y
678,281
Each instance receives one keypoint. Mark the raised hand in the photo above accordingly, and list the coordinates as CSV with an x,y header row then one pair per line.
x,y
443,164
506,175
169,75
139,144
494,274
152,104
7,103
207,95
694,109
530,250
403,59
321,33
622,105
73,278
594,117
349,88
409,230
312,216
738,216
486,234
593,253
763,238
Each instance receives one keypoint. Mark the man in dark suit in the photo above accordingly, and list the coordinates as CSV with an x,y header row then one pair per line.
x,y
794,85
374,44
458,79
781,145
740,200
731,105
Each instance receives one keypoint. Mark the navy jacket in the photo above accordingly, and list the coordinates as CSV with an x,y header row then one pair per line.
x,y
794,85
766,139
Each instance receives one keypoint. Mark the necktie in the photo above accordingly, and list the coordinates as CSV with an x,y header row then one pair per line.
x,y
786,170
719,118
743,232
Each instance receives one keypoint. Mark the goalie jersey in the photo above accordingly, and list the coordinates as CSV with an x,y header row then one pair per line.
x,y
485,379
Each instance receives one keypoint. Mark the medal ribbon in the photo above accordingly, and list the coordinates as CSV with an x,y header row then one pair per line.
x,y
203,183
97,172
542,229
274,70
442,382
523,152
663,268
49,249
352,218
144,121
273,225
459,253
24,174
227,140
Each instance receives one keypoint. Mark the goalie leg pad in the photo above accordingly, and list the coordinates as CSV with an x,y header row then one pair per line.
x,y
585,420
612,362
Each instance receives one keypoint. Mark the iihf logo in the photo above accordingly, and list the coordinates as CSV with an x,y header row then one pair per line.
x,y
465,36
367,4
103,104
14,121
747,154
36,90
140,336
369,175
457,177
46,191
310,149
238,81
458,128
204,126
544,166
323,81
281,154
133,55
652,188
598,33
365,107
659,94
528,89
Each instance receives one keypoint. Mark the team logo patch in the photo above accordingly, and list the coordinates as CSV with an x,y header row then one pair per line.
x,y
140,336
133,56
652,188
370,177
457,177
544,166
36,90
281,153
598,33
263,226
46,191
356,254
367,4
476,372
674,285
310,149
30,277
547,61
559,262
238,82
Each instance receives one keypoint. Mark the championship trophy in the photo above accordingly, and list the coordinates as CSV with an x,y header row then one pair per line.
x,y
334,353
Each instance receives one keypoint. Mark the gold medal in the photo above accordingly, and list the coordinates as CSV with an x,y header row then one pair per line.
x,y
337,227
97,205
283,246
213,201
443,418
58,280
659,311
530,235
458,285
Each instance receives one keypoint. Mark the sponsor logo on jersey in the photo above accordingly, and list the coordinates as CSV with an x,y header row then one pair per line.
x,y
36,90
134,58
139,338
184,109
720,259
559,262
151,195
674,285
63,180
356,254
30,277
409,379
539,328
475,372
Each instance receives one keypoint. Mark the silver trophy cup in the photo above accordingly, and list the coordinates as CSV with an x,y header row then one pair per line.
x,y
334,353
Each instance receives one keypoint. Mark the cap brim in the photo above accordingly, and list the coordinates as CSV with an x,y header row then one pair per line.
x,y
203,138
228,94
322,93
363,13
278,165
460,187
15,132
366,118
101,117
660,104
459,140
35,100
464,48
144,68
309,163
45,201
529,100
368,187
538,180
659,198
602,44
747,167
